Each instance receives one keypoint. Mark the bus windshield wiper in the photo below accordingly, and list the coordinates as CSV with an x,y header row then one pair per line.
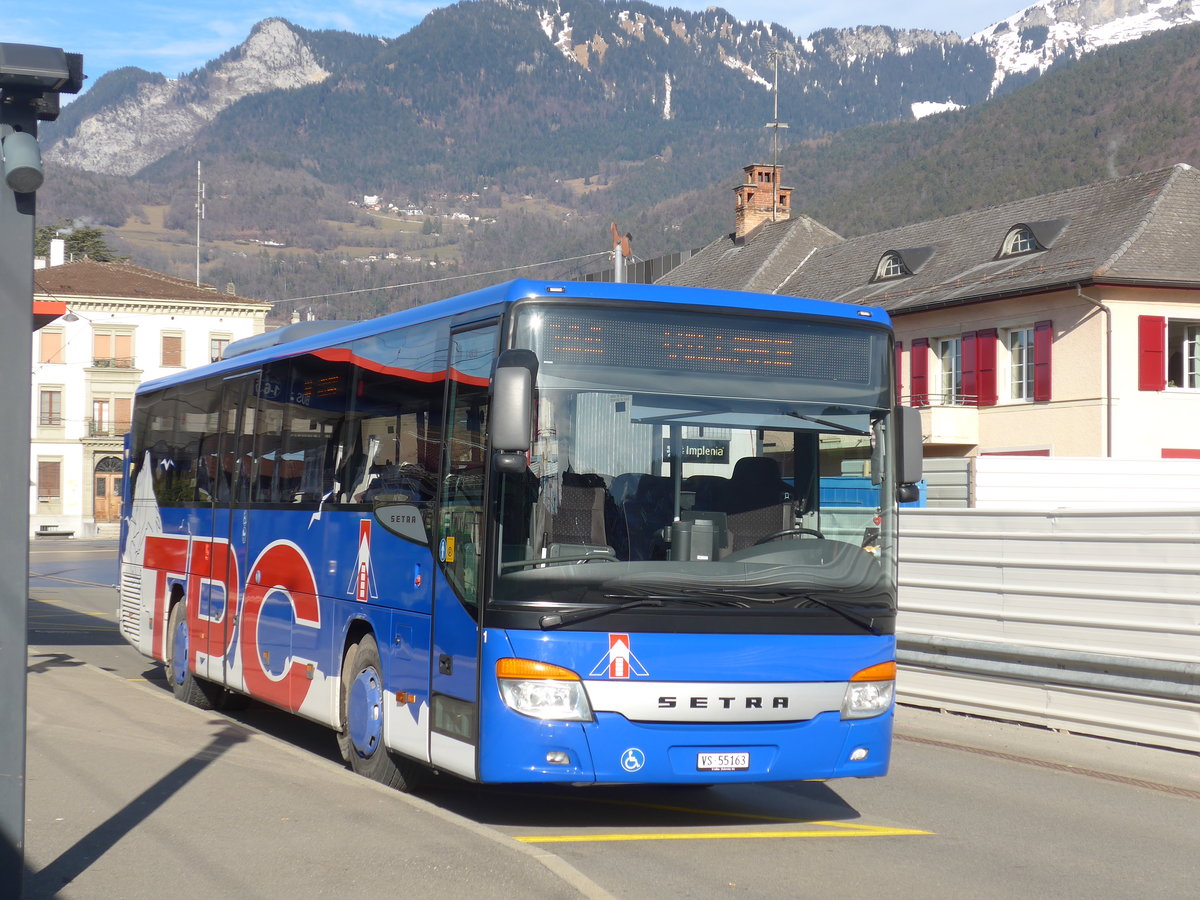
x,y
556,620
864,622
633,601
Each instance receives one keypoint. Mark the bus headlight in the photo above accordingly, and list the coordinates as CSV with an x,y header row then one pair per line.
x,y
870,692
542,691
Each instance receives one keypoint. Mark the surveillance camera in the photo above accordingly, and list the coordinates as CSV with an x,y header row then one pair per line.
x,y
32,77
32,67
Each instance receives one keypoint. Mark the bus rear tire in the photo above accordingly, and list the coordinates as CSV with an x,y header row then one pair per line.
x,y
362,713
186,686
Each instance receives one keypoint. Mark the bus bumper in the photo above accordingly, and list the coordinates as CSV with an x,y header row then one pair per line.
x,y
612,750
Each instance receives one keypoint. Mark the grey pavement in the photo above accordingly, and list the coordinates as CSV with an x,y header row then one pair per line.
x,y
131,794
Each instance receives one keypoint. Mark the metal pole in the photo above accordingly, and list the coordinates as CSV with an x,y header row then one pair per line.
x,y
199,218
31,78
618,256
16,360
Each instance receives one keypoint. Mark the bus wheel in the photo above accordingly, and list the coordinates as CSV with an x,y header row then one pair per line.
x,y
184,685
361,736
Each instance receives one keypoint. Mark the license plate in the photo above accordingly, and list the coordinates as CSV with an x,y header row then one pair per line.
x,y
722,762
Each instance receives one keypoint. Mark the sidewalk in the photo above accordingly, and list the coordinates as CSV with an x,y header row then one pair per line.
x,y
130,794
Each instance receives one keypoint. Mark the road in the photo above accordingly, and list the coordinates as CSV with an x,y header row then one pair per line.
x,y
971,807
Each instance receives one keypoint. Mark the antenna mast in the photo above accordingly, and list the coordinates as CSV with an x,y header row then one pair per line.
x,y
775,124
199,217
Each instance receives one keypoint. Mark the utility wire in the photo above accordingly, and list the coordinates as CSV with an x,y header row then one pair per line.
x,y
390,287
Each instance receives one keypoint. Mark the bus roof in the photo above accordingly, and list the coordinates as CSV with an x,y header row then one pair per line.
x,y
510,292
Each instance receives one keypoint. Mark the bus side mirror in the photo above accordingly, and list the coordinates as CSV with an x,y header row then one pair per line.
x,y
512,409
912,448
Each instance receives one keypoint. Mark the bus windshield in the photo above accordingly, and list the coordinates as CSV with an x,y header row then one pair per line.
x,y
694,460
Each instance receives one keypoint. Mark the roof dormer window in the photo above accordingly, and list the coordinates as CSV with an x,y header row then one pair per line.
x,y
891,265
1020,240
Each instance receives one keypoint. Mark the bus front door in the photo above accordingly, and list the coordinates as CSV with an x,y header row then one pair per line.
x,y
454,727
230,525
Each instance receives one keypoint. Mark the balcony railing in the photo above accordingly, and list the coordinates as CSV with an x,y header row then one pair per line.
x,y
948,418
955,399
112,362
101,428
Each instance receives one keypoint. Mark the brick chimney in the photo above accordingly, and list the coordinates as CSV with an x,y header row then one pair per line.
x,y
760,199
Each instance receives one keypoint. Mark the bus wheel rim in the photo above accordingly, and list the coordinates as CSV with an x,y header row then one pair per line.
x,y
179,653
364,713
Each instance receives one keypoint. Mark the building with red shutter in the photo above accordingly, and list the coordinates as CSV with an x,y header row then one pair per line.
x,y
1066,324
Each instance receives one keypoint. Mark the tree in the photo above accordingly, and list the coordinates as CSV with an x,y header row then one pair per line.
x,y
81,240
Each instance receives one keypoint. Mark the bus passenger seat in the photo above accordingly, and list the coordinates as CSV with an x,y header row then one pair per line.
x,y
758,502
580,515
709,491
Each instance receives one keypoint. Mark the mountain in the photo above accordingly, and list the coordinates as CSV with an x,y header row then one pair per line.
x,y
1121,110
580,63
519,130
134,118
1038,36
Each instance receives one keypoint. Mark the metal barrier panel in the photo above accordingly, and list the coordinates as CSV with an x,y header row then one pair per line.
x,y
1081,620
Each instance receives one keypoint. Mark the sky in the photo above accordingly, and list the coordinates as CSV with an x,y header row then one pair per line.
x,y
173,38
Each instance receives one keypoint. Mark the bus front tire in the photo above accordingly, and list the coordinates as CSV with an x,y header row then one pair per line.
x,y
360,738
186,686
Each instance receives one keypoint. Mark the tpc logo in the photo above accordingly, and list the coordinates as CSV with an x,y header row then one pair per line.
x,y
619,661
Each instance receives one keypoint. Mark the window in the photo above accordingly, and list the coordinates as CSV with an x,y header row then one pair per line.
x,y
1183,354
890,266
112,349
1018,241
50,345
49,481
172,350
216,346
50,407
1020,363
949,353
110,416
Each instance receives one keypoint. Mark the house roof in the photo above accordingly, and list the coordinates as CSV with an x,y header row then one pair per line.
x,y
1143,228
91,279
760,261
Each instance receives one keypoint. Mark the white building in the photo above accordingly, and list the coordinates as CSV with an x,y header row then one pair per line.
x,y
123,325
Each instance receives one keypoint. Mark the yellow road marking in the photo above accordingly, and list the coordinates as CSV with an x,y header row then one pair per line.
x,y
851,831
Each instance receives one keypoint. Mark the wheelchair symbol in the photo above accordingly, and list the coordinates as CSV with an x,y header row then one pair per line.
x,y
632,759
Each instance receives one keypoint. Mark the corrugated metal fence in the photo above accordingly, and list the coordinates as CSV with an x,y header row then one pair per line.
x,y
1082,620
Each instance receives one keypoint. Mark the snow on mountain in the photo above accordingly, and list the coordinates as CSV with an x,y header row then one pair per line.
x,y
1038,35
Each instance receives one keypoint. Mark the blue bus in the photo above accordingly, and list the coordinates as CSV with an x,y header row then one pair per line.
x,y
541,532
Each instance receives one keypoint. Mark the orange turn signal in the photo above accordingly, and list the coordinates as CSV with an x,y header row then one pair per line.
x,y
531,669
885,671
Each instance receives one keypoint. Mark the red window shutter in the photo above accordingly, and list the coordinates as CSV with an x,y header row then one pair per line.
x,y
1043,341
1152,353
985,356
918,368
970,369
899,372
